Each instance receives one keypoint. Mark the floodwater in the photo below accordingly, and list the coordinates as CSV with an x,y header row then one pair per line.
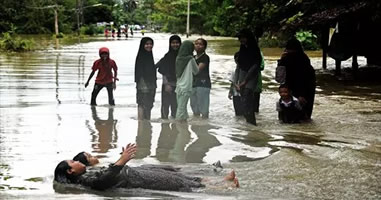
x,y
45,117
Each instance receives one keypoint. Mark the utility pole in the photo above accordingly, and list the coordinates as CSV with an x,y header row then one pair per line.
x,y
56,20
188,18
77,12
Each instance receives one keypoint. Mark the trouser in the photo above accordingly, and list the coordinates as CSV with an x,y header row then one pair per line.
x,y
238,108
247,98
97,89
168,99
182,102
145,103
257,96
200,100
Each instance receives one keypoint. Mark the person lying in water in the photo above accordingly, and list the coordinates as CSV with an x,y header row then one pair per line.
x,y
119,175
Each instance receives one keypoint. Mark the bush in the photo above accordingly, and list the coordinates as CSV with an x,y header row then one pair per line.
x,y
307,39
10,42
91,30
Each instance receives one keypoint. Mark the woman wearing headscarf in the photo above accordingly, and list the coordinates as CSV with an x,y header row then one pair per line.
x,y
145,78
167,67
300,75
249,62
186,68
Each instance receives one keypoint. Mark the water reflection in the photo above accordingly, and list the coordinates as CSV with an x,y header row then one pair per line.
x,y
166,142
143,139
177,153
57,79
176,142
81,78
204,142
106,134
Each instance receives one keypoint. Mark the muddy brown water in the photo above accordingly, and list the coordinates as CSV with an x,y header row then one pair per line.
x,y
45,117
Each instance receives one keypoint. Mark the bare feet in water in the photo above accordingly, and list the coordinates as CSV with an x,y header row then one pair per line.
x,y
232,177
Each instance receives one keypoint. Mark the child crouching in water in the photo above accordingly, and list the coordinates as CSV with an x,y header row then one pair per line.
x,y
288,106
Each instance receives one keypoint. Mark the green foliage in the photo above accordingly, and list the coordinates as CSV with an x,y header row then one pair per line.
x,y
91,30
11,42
308,40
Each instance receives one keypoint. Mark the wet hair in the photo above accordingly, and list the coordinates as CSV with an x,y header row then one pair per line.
x,y
294,44
61,175
204,42
81,157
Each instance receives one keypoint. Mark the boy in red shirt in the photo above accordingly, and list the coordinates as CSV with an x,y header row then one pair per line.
x,y
105,78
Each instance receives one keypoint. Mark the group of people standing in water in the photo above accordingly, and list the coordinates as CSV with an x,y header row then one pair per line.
x,y
186,78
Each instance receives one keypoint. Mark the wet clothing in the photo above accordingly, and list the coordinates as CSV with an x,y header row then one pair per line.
x,y
168,102
186,68
200,101
98,88
258,89
184,89
300,78
237,104
185,54
200,98
155,178
202,78
104,75
289,112
144,64
145,78
167,67
249,62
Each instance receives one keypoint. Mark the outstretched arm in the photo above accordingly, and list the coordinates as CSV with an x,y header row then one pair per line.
x,y
108,178
127,154
91,76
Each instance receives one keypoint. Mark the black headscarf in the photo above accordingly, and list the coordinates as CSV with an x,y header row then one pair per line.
x,y
249,54
144,64
167,65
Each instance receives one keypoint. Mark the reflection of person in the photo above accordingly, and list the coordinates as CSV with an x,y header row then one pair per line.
x,y
122,176
166,141
249,61
107,132
288,107
200,98
186,68
177,153
143,139
300,75
105,78
167,67
205,141
145,78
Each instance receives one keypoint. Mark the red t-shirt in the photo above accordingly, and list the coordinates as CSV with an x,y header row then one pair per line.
x,y
105,74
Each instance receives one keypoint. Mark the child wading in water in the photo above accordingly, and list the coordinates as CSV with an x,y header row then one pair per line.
x,y
145,78
105,78
288,106
233,92
200,98
167,67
